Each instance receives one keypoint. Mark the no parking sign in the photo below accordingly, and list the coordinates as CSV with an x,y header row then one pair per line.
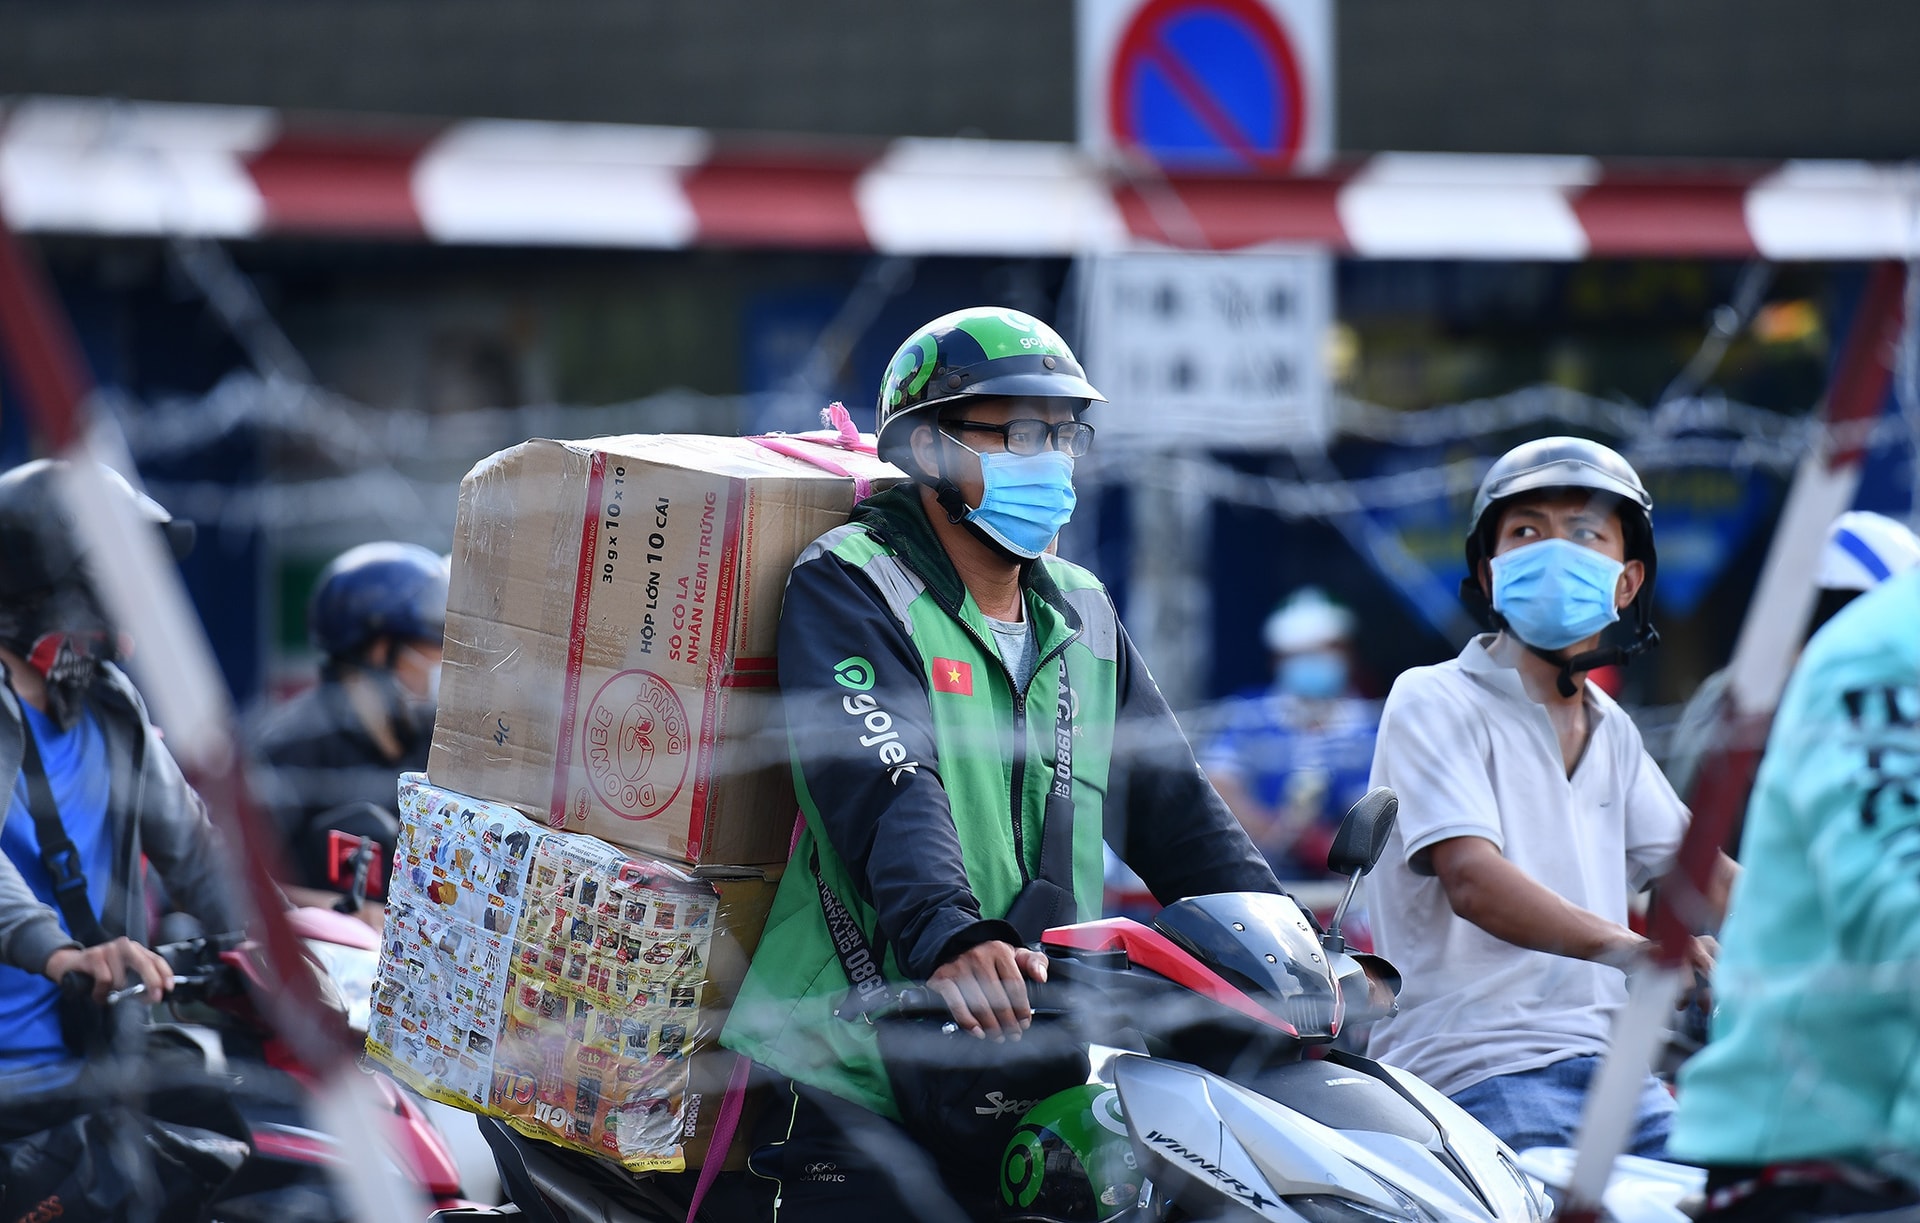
x,y
1208,85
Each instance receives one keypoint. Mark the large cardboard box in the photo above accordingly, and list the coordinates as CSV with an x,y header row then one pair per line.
x,y
572,989
610,636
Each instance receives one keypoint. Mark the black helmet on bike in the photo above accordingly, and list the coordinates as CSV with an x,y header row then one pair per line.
x,y
50,614
1554,464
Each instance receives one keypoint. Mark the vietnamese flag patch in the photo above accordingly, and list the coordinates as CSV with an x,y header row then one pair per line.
x,y
951,676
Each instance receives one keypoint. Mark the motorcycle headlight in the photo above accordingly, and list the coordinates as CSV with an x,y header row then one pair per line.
x,y
353,970
1323,1209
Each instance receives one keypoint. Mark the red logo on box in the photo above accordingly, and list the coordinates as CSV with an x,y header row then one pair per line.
x,y
636,744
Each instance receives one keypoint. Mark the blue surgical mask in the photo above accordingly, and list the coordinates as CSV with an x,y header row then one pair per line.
x,y
1555,592
1027,499
1316,674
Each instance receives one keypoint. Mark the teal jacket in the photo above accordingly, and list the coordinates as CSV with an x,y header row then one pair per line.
x,y
922,774
1816,1038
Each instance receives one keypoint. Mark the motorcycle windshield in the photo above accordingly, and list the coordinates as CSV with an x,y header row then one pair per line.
x,y
1264,945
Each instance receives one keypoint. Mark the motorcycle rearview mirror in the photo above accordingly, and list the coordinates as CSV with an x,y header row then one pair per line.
x,y
351,844
1357,848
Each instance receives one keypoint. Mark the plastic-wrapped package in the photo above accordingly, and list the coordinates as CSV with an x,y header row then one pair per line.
x,y
574,989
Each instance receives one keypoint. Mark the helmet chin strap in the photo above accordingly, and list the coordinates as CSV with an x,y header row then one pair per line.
x,y
1644,639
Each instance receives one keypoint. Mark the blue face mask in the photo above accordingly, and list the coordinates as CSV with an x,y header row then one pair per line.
x,y
1316,675
1555,592
1028,498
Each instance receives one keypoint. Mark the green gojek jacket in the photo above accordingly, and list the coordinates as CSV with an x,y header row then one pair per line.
x,y
922,777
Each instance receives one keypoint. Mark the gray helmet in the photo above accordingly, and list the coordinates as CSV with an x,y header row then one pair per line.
x,y
1552,463
1555,463
1559,462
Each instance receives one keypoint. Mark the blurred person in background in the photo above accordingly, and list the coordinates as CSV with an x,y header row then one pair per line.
x,y
327,763
1806,1103
937,626
1291,759
92,795
1529,809
1862,550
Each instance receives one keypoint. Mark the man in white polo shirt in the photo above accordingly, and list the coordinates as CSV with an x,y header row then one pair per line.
x,y
1529,810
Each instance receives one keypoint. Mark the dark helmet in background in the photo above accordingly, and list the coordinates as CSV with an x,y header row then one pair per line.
x,y
377,590
50,615
1557,464
983,350
40,546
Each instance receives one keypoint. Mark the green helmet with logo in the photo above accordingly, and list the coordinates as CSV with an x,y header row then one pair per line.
x,y
983,350
1070,1160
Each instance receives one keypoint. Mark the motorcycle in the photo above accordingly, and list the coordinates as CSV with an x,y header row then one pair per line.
x,y
289,1174
1216,1090
212,1023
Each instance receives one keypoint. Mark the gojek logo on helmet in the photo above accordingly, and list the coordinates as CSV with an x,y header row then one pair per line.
x,y
857,673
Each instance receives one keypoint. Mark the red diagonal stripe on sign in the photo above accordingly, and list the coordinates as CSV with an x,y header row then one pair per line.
x,y
1193,91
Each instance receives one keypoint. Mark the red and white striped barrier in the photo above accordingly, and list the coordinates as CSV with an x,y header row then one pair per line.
x,y
91,166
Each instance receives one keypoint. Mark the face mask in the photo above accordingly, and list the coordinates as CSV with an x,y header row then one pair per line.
x,y
419,710
1316,675
1555,592
1028,498
69,662
64,637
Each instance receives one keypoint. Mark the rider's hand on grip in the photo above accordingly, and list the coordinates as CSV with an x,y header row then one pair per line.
x,y
1702,951
985,987
109,965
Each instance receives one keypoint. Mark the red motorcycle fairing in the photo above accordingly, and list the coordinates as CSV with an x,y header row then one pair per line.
x,y
1147,948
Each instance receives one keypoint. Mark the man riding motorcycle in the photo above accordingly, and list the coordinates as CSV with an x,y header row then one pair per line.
x,y
93,794
1529,807
953,692
328,762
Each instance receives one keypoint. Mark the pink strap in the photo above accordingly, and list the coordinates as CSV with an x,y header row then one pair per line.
x,y
731,1106
840,434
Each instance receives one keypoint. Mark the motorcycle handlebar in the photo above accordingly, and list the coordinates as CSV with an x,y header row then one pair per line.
x,y
1047,999
186,986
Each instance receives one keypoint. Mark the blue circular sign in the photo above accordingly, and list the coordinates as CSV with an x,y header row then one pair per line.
x,y
1208,85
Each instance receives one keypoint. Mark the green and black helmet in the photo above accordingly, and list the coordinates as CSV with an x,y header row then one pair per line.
x,y
983,350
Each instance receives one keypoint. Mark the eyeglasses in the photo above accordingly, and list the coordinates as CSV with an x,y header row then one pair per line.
x,y
1070,437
